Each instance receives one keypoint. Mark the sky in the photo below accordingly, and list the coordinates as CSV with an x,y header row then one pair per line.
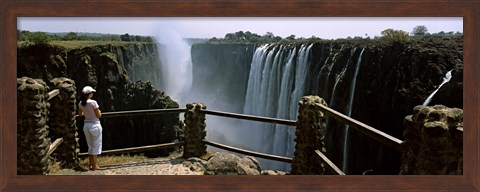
x,y
208,27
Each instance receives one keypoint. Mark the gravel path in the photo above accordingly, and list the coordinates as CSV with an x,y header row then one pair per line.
x,y
157,166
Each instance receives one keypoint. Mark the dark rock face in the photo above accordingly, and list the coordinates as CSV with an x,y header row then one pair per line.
x,y
110,69
392,79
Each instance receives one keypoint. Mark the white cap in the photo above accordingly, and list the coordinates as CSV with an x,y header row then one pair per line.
x,y
88,89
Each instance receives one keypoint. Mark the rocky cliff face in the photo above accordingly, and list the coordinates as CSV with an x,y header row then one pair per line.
x,y
220,73
112,70
390,80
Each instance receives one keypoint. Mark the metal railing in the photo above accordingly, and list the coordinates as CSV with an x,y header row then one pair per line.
x,y
250,117
363,128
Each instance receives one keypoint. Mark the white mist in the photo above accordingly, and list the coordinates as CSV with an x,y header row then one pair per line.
x,y
175,58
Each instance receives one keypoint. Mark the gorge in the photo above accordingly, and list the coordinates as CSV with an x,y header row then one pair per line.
x,y
375,82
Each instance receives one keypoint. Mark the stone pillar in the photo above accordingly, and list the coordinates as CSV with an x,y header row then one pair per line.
x,y
195,131
32,129
433,141
310,136
62,122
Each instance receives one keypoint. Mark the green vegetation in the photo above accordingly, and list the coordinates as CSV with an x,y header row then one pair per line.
x,y
110,55
37,38
43,38
420,30
74,40
387,36
79,44
391,35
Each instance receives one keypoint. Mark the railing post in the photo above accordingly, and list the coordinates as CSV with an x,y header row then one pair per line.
x,y
32,129
310,134
434,141
195,131
63,123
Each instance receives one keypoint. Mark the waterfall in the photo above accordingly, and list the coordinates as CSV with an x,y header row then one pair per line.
x,y
349,111
329,69
275,85
446,79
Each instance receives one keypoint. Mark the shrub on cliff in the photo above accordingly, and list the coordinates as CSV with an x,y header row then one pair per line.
x,y
395,36
39,38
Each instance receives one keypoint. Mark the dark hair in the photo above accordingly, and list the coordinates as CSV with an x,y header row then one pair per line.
x,y
84,98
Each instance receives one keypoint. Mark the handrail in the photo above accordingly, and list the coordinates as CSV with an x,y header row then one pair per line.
x,y
330,165
247,152
53,93
54,146
250,117
365,129
142,112
138,113
138,149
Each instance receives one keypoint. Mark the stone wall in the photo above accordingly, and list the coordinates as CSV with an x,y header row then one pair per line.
x,y
310,136
434,141
32,129
195,131
62,122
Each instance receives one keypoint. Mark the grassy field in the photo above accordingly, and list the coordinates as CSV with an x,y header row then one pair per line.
x,y
79,44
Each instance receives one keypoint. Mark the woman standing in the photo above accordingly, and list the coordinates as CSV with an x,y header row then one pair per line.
x,y
92,127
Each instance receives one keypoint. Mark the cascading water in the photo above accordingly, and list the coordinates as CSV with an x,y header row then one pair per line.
x,y
446,79
349,111
276,83
278,75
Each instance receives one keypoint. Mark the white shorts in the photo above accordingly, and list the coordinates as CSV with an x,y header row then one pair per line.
x,y
93,135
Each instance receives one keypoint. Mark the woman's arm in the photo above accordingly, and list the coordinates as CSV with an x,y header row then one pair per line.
x,y
80,112
98,113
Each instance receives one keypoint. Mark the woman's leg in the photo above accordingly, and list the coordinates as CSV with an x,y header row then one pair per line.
x,y
88,138
96,132
95,162
91,163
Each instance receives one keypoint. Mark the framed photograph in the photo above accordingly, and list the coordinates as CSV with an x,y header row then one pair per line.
x,y
288,13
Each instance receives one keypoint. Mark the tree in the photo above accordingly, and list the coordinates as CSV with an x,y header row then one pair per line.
x,y
240,35
38,38
268,35
22,35
392,35
70,36
125,37
230,37
291,37
420,30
